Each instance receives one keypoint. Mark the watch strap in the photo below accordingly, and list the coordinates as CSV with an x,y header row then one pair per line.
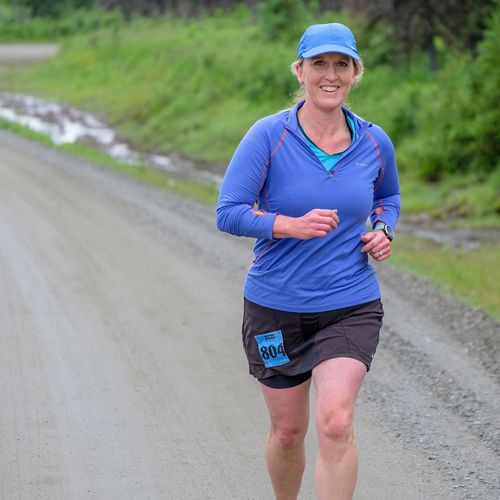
x,y
387,231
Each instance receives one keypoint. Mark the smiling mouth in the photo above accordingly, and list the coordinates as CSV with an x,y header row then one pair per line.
x,y
329,88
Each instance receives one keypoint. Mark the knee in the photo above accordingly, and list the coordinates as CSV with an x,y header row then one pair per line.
x,y
287,437
336,426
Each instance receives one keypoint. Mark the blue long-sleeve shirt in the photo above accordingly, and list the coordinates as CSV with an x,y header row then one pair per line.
x,y
274,171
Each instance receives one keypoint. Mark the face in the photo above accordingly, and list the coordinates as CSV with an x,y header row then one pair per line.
x,y
327,79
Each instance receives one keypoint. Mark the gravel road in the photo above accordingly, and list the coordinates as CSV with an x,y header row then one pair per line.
x,y
122,370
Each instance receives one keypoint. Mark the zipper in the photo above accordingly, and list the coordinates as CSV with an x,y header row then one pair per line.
x,y
307,148
318,162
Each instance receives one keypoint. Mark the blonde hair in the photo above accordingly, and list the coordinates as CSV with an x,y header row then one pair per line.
x,y
300,94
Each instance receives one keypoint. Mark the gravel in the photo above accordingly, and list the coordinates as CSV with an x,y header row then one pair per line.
x,y
427,413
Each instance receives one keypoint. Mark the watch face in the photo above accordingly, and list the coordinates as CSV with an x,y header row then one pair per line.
x,y
389,232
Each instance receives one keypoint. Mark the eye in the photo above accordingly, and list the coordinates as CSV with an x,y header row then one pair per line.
x,y
318,62
343,64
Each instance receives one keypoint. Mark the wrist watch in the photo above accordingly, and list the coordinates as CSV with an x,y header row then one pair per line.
x,y
386,229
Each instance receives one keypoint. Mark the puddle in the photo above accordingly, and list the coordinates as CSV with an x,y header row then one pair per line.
x,y
65,124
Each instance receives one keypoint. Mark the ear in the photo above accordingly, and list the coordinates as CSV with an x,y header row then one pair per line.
x,y
299,73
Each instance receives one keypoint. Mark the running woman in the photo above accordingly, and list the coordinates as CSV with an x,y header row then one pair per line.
x,y
303,182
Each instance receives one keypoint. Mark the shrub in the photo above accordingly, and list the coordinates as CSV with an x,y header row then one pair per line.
x,y
285,19
484,146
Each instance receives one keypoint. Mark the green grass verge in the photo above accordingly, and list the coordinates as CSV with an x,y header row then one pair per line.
x,y
471,275
461,200
202,192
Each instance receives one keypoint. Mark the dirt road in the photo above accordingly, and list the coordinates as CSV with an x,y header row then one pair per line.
x,y
122,370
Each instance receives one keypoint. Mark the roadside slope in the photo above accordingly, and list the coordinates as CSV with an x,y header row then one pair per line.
x,y
123,371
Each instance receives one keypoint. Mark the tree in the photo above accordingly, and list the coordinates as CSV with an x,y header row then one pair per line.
x,y
49,8
417,23
282,18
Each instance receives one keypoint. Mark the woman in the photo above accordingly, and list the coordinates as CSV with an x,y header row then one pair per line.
x,y
312,301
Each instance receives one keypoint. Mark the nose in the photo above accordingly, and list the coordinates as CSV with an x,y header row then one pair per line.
x,y
331,72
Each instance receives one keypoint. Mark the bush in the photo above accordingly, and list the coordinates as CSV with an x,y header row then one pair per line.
x,y
462,129
14,28
50,8
484,146
285,19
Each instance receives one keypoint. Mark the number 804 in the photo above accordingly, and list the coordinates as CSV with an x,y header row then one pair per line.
x,y
272,351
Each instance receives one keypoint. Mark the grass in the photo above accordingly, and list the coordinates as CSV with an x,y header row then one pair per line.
x,y
471,275
461,200
26,132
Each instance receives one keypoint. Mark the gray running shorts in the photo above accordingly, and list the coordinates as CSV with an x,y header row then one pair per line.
x,y
283,347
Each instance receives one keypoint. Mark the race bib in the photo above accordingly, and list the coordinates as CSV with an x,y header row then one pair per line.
x,y
271,349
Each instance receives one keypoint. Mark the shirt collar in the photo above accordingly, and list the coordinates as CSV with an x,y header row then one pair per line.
x,y
293,124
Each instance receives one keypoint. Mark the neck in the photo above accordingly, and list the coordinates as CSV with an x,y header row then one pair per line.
x,y
321,122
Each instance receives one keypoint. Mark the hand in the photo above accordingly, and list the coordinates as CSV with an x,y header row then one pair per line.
x,y
315,224
377,245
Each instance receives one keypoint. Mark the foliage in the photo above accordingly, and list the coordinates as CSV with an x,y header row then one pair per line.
x,y
485,147
283,19
196,85
418,24
40,29
49,8
458,132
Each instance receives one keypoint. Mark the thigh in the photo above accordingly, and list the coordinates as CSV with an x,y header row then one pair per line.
x,y
337,383
288,407
352,332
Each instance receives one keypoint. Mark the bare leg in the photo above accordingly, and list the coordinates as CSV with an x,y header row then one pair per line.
x,y
337,384
285,453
